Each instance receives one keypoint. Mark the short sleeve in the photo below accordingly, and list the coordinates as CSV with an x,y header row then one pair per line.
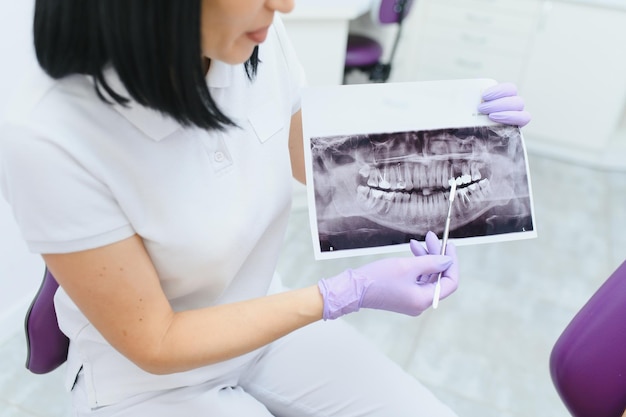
x,y
296,71
59,205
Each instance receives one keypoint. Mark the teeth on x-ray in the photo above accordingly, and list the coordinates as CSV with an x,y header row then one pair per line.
x,y
424,191
400,180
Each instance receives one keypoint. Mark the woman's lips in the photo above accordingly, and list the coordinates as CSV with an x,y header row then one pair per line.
x,y
258,36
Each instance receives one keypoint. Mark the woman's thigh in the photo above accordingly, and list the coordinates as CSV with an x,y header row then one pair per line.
x,y
329,369
205,400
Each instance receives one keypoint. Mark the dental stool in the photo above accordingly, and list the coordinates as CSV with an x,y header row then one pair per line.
x,y
46,345
364,53
588,361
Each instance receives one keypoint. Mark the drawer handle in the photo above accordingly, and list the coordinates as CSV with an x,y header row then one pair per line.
x,y
464,63
477,19
475,39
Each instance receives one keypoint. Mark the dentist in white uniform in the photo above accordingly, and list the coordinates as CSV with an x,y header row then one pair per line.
x,y
150,164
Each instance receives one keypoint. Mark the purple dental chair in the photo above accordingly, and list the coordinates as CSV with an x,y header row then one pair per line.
x,y
46,344
364,53
588,361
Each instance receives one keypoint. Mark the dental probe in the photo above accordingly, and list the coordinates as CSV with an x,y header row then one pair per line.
x,y
444,241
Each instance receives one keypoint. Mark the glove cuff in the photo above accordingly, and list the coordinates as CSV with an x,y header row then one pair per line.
x,y
342,294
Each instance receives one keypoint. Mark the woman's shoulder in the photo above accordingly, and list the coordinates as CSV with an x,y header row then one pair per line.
x,y
55,110
37,94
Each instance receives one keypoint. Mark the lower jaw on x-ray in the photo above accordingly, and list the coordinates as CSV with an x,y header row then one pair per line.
x,y
384,189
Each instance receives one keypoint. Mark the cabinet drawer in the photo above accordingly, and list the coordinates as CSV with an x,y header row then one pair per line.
x,y
461,38
466,64
509,6
490,22
432,72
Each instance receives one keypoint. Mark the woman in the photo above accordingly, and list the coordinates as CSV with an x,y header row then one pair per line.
x,y
151,167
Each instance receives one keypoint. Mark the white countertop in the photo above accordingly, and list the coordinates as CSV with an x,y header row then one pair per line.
x,y
613,4
328,9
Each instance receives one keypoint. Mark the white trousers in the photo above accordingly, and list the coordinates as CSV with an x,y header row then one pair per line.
x,y
322,370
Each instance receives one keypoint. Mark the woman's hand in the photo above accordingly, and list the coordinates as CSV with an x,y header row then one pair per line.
x,y
502,104
400,285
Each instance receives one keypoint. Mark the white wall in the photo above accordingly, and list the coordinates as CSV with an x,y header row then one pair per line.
x,y
20,271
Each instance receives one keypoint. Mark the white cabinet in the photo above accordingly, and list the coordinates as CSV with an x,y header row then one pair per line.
x,y
575,79
319,32
568,57
468,39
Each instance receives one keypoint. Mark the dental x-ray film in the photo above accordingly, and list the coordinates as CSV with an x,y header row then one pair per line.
x,y
380,157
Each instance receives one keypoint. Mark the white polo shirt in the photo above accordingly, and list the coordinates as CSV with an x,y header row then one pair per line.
x,y
211,207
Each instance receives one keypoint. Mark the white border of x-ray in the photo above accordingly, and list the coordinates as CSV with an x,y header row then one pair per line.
x,y
394,107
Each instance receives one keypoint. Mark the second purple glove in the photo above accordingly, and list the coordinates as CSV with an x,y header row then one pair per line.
x,y
392,284
502,104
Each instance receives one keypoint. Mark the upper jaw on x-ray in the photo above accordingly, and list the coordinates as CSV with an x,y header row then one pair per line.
x,y
401,180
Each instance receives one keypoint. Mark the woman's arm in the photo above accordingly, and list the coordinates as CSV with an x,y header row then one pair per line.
x,y
296,147
118,290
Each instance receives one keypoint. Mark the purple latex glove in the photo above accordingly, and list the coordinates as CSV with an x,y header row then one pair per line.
x,y
502,104
433,246
392,284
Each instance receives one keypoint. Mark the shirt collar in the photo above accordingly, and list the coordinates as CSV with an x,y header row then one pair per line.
x,y
152,122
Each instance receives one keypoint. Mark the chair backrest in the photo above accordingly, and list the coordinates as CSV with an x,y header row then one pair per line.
x,y
588,361
47,345
392,11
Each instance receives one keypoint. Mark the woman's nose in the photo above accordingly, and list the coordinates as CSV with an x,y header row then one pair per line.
x,y
282,6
